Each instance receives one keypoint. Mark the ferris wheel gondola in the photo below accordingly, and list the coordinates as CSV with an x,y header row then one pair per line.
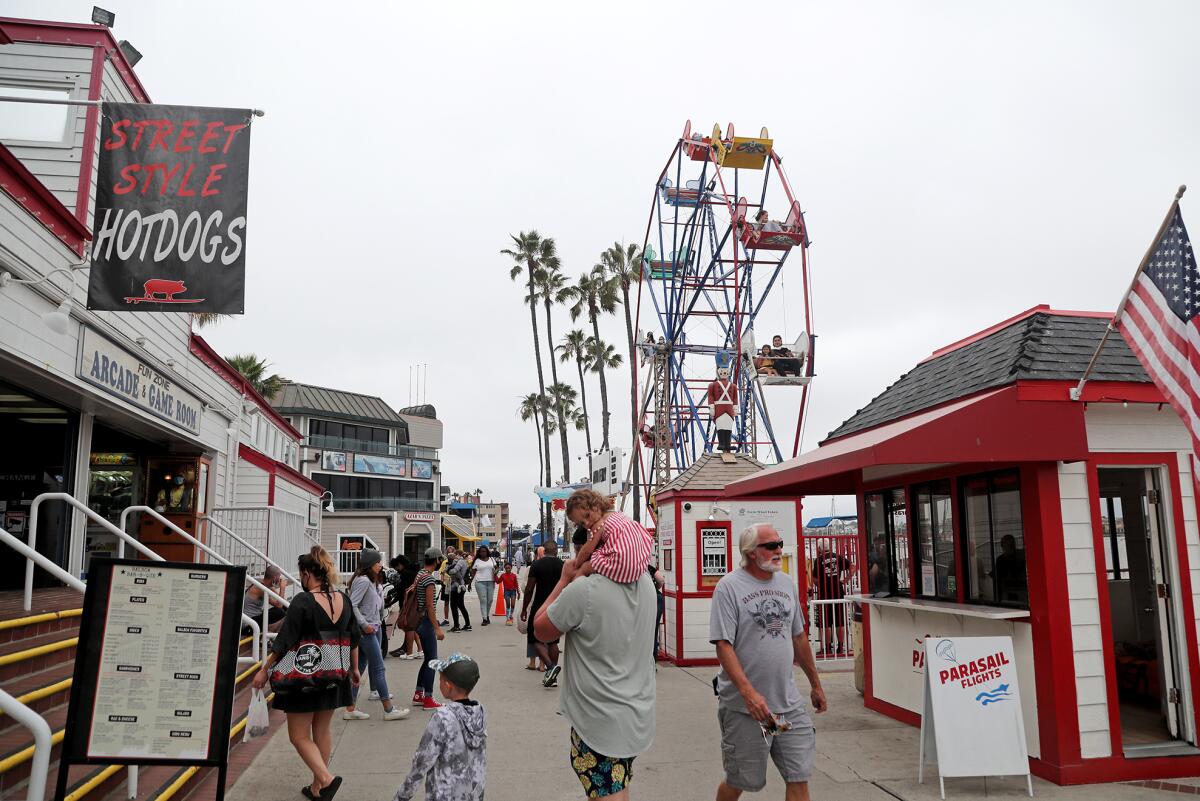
x,y
705,298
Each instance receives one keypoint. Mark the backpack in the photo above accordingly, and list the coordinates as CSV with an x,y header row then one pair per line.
x,y
409,617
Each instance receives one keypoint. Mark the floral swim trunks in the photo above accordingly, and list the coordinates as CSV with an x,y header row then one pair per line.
x,y
600,775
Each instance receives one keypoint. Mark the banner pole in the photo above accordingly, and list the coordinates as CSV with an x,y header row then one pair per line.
x,y
1077,391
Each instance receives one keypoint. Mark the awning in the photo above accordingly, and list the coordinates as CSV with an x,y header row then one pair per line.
x,y
993,427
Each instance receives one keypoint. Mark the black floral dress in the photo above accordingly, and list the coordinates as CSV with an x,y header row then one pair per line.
x,y
306,619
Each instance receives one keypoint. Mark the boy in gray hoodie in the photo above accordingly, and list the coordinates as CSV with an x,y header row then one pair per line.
x,y
452,754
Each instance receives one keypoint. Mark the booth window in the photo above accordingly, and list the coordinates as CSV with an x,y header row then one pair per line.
x,y
994,540
935,542
887,549
1115,556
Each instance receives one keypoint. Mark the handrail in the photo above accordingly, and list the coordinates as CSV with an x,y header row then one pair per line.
x,y
43,562
229,532
41,739
70,500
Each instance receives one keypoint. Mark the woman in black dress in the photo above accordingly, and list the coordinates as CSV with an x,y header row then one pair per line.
x,y
314,614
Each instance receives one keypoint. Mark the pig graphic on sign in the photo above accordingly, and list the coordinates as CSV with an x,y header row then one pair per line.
x,y
165,287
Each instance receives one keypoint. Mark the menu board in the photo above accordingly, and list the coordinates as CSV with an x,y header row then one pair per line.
x,y
155,680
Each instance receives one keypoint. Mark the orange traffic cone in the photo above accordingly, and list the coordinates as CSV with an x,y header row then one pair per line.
x,y
499,611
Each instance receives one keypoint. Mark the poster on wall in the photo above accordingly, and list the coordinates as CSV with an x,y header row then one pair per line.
x,y
422,468
157,684
170,221
334,461
379,465
972,724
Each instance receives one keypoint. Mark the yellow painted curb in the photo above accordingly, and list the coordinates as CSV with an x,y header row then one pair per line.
x,y
30,653
18,622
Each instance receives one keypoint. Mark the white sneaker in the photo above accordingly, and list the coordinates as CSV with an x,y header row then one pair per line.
x,y
396,713
373,696
357,714
418,655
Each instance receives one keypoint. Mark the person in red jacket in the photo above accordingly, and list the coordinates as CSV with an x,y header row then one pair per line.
x,y
510,586
722,406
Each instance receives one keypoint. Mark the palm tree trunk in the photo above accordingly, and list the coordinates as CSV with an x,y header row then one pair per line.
x,y
633,414
562,425
541,466
603,383
587,421
537,353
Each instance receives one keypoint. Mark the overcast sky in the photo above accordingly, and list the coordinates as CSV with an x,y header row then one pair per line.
x,y
958,163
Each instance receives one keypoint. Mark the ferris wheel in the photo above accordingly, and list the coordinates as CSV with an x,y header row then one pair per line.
x,y
712,256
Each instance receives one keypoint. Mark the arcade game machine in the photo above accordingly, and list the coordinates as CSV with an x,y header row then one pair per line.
x,y
176,489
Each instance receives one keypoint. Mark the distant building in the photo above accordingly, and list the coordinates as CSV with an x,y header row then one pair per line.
x,y
380,467
493,521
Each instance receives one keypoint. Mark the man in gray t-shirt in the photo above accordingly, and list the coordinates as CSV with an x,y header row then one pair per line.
x,y
608,673
757,625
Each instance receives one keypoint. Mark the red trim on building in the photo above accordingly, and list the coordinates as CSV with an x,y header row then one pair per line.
x,y
891,710
205,353
1093,391
274,467
78,34
32,195
1040,309
83,188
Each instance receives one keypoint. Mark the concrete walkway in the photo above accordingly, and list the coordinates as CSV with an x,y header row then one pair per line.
x,y
861,755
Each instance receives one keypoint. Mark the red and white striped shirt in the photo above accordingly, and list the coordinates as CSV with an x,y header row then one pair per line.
x,y
625,550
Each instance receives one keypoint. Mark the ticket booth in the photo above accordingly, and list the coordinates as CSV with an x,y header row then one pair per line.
x,y
991,502
697,543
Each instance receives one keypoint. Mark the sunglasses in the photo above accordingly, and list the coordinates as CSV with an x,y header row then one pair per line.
x,y
775,545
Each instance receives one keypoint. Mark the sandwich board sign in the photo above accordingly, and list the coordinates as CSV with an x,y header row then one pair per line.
x,y
972,723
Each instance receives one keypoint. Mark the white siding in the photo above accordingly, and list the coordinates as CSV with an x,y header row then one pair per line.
x,y
33,65
253,486
1083,595
292,498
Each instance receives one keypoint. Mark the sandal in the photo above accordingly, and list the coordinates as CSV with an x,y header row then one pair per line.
x,y
307,792
330,790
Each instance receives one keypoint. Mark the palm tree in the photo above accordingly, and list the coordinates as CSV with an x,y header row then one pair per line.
x,y
534,407
552,288
575,346
530,252
254,370
202,319
562,402
624,263
602,356
595,294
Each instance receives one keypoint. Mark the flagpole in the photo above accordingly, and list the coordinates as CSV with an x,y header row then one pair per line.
x,y
1077,391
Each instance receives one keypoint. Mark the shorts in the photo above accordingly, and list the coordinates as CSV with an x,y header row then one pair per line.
x,y
600,775
744,749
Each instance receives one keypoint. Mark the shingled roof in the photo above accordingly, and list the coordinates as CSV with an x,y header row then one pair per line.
x,y
709,473
1040,345
338,404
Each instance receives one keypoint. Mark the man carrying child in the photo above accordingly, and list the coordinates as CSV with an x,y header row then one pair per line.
x,y
608,674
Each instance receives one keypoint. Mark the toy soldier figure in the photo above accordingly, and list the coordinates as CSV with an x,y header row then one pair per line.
x,y
722,406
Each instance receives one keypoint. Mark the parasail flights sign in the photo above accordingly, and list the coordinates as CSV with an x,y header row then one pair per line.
x,y
170,223
972,724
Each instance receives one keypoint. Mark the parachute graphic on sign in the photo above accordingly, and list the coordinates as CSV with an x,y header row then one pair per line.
x,y
945,649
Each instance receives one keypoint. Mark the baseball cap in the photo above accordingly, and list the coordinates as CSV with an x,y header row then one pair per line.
x,y
459,669
433,553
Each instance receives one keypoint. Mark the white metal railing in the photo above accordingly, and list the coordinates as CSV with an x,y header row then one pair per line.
x,y
347,561
829,628
37,723
267,534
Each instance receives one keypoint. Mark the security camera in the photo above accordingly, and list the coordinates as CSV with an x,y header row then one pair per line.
x,y
687,507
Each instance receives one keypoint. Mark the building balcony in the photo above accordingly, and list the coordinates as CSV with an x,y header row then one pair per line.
x,y
367,446
386,504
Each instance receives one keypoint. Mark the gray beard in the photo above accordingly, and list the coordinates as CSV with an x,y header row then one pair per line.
x,y
770,566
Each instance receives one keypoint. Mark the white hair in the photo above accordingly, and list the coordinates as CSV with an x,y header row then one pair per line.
x,y
748,540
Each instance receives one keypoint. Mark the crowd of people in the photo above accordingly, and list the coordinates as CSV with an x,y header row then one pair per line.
x,y
606,601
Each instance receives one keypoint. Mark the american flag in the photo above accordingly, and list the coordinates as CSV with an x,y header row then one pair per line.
x,y
1161,321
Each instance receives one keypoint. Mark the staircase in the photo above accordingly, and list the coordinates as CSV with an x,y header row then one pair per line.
x,y
37,658
37,655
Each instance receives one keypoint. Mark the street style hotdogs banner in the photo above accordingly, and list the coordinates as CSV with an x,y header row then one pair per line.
x,y
170,225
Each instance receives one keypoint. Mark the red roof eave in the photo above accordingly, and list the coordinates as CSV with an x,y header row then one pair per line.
x,y
994,426
32,195
278,468
205,353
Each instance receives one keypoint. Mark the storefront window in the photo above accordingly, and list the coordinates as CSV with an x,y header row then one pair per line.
x,y
887,546
935,542
994,540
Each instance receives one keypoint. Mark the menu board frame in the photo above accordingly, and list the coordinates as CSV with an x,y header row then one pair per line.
x,y
96,639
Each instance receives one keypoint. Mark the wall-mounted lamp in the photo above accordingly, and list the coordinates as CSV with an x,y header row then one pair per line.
x,y
712,512
141,341
329,506
58,320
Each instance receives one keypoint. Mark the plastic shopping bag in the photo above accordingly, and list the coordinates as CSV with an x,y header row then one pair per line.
x,y
258,717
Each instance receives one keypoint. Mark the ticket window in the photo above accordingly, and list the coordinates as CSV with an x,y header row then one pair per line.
x,y
713,549
177,490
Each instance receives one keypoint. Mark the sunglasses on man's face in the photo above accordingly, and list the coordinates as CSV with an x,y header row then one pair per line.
x,y
774,545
